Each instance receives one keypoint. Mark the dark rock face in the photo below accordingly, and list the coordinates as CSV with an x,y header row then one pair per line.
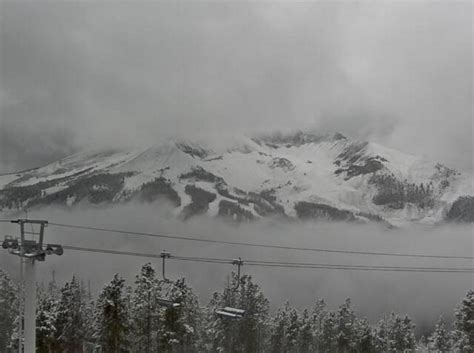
x,y
193,151
317,211
200,201
353,161
200,174
160,187
370,165
233,212
282,163
462,210
353,152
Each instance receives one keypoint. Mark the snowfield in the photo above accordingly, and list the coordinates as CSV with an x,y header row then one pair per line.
x,y
330,170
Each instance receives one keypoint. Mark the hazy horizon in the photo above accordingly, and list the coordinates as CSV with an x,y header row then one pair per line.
x,y
77,74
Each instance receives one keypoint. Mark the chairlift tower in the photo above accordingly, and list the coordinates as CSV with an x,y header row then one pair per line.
x,y
29,251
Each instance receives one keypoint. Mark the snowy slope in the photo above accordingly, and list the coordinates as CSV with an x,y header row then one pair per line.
x,y
301,175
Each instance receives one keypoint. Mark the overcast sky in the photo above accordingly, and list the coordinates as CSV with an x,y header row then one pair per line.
x,y
76,74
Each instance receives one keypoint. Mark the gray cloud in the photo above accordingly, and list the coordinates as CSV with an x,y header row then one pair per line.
x,y
74,74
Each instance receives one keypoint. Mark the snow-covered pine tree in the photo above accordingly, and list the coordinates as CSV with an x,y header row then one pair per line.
x,y
318,318
408,330
70,318
422,345
293,330
145,311
87,311
279,329
210,333
395,334
464,324
328,341
179,327
440,339
365,337
346,328
111,324
46,315
305,339
381,335
246,334
8,309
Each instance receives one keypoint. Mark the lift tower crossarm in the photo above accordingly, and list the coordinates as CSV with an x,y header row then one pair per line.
x,y
29,251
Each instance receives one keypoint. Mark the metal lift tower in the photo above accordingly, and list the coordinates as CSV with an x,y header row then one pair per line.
x,y
30,251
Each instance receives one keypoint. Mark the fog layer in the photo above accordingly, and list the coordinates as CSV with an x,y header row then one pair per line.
x,y
423,295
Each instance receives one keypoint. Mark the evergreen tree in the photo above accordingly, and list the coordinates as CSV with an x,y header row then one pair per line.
x,y
464,324
328,337
395,334
282,337
87,310
305,339
293,330
145,311
440,340
70,319
46,315
422,346
278,331
365,337
112,317
8,309
126,321
180,326
246,334
346,326
318,319
381,336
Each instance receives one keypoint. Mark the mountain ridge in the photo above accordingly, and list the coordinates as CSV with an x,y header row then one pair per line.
x,y
301,175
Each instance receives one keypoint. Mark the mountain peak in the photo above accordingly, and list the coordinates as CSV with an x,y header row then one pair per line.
x,y
302,174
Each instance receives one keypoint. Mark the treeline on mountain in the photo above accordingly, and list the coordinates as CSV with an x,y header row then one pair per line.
x,y
462,210
396,194
96,188
159,188
130,318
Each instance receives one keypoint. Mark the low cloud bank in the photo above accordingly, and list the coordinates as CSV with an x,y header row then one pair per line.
x,y
425,296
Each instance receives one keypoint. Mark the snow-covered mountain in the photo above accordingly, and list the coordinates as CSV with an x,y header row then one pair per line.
x,y
293,176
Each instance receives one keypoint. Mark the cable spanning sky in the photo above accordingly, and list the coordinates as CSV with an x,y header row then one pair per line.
x,y
76,73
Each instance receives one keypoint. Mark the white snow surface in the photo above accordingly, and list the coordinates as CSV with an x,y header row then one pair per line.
x,y
304,172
